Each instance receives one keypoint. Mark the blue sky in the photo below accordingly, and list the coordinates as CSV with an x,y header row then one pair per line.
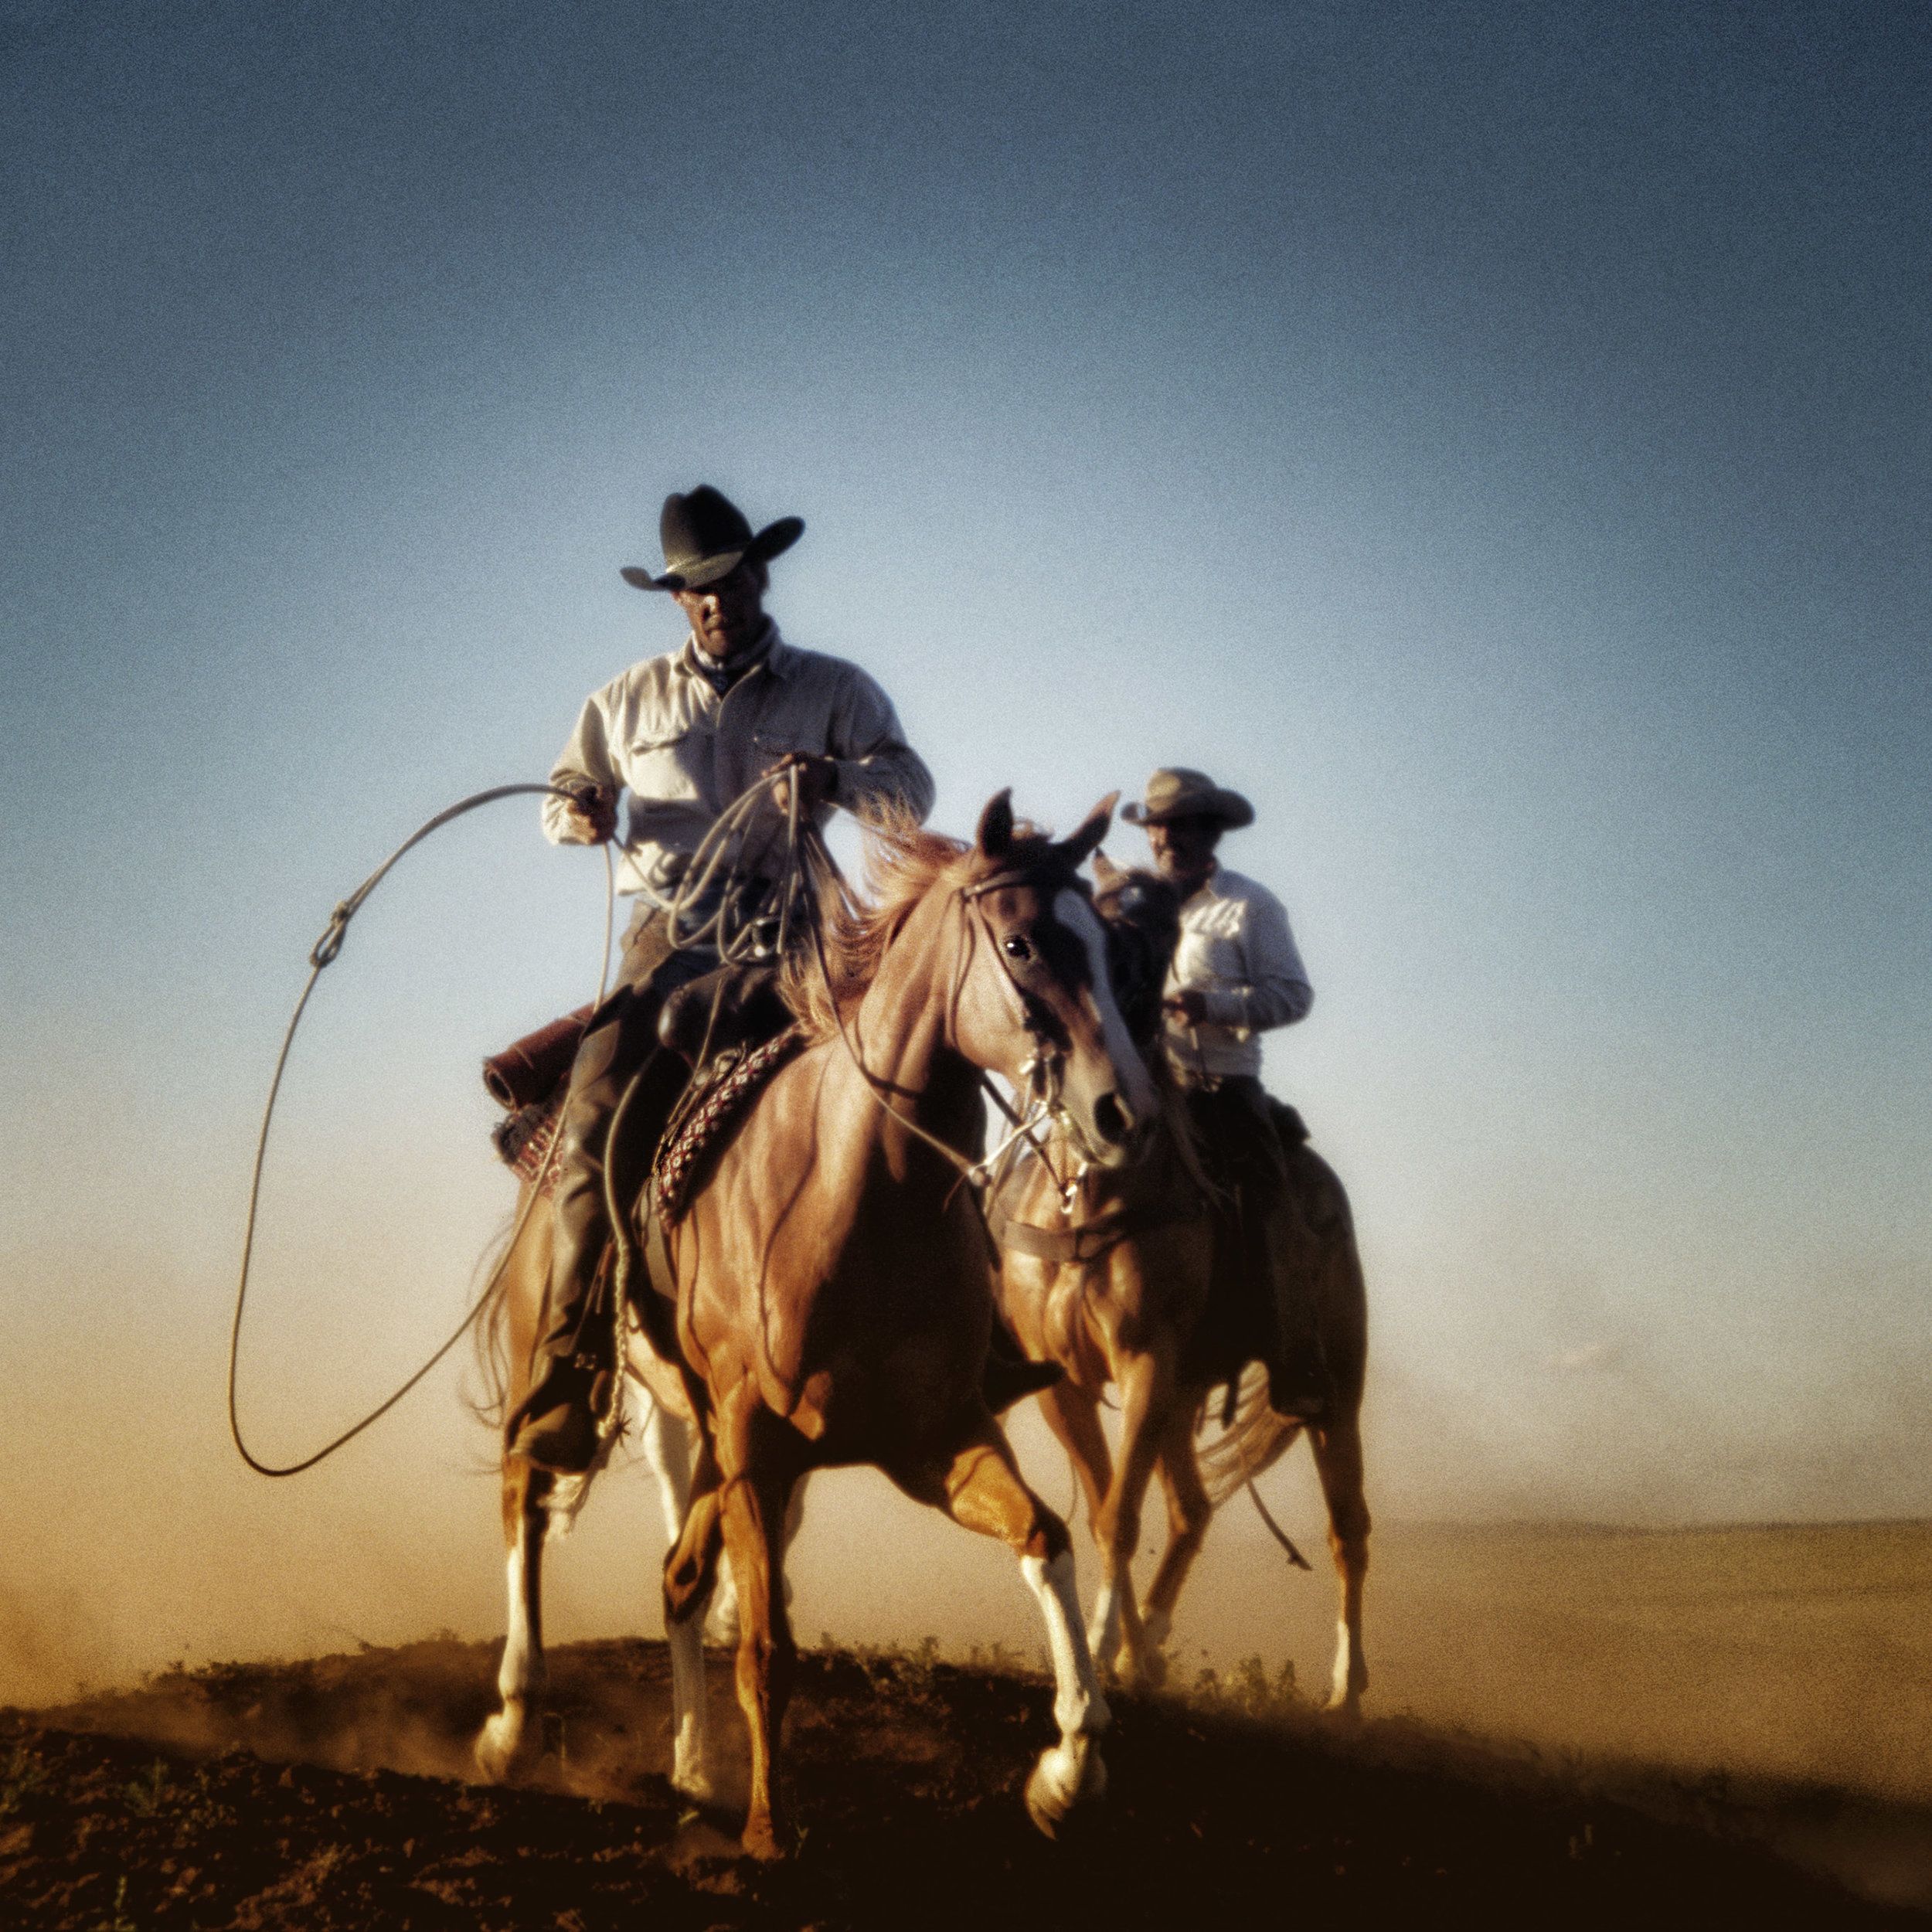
x,y
1493,437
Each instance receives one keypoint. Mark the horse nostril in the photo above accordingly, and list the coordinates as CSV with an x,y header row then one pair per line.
x,y
1112,1119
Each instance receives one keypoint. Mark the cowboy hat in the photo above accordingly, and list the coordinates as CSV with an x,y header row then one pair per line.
x,y
1175,792
705,537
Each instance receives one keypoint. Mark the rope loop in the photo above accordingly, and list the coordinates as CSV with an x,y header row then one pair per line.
x,y
324,953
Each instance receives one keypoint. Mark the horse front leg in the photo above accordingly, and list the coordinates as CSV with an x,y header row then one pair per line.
x,y
507,1740
1114,1632
1074,1417
757,1458
1338,1461
979,1486
1189,1513
721,1620
667,1446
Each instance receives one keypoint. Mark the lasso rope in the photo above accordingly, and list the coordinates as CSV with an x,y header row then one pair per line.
x,y
323,954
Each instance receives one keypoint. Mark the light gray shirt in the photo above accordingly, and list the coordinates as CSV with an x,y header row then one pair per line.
x,y
661,733
1235,948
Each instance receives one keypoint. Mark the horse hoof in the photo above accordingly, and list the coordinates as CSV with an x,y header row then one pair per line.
x,y
693,1782
500,1746
1067,1779
1148,1671
761,1841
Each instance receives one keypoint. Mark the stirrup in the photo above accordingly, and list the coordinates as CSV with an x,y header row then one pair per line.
x,y
562,1436
1299,1388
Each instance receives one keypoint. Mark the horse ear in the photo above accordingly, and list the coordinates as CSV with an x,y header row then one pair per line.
x,y
1087,839
995,835
1106,872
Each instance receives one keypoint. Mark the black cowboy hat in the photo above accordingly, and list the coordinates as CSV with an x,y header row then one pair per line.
x,y
705,537
1175,792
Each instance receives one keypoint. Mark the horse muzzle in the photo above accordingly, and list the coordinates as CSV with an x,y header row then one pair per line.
x,y
1113,1133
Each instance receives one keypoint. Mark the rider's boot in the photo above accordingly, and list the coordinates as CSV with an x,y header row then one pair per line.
x,y
1300,1389
556,1425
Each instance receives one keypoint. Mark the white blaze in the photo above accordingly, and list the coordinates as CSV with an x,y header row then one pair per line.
x,y
1070,908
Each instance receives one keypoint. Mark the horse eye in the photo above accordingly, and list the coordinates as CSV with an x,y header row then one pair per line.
x,y
1015,948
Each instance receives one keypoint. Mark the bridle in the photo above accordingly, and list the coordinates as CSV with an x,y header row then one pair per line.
x,y
1043,1074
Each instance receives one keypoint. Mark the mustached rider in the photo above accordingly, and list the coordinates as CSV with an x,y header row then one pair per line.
x,y
685,735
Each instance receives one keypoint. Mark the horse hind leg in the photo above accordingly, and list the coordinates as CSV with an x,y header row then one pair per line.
x,y
507,1740
1338,1461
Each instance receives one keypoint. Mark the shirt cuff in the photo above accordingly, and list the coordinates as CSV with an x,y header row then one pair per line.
x,y
1227,1005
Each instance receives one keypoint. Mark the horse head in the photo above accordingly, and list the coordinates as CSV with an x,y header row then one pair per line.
x,y
1036,1001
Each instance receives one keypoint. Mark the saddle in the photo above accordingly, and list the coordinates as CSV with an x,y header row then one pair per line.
x,y
732,1017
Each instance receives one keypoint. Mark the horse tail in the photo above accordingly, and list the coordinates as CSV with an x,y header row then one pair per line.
x,y
490,1337
1256,1439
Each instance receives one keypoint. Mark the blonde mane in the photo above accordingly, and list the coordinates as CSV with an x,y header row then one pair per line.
x,y
903,862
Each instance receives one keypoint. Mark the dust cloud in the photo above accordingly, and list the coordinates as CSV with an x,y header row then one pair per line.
x,y
1798,1651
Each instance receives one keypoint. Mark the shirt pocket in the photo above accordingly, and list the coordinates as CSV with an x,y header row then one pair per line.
x,y
1210,959
668,765
771,745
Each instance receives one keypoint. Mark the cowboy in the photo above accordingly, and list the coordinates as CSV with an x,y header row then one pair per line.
x,y
1235,973
686,735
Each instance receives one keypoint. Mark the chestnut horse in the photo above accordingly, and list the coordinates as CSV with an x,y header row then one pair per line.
x,y
835,1298
1107,1271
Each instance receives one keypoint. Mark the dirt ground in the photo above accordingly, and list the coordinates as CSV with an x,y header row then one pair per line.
x,y
334,1793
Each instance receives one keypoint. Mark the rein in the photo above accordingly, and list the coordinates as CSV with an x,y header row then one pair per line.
x,y
1042,1071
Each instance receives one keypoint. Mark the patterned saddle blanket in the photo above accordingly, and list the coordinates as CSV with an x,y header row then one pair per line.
x,y
720,1094
715,1102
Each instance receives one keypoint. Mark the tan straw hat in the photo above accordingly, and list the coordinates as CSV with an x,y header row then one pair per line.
x,y
1175,792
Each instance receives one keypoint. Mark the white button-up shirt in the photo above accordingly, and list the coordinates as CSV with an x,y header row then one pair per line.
x,y
662,732
1235,948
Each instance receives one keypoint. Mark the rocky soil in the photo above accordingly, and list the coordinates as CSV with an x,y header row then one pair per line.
x,y
336,1793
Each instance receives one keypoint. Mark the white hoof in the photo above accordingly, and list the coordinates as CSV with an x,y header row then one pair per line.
x,y
1068,1776
498,1745
690,1779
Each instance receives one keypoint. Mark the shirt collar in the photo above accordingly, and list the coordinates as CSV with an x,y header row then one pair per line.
x,y
765,649
1207,885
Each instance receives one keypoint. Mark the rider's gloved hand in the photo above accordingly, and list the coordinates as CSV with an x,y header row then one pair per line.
x,y
816,776
590,818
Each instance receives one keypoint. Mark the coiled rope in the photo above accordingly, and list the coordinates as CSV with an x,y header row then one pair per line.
x,y
324,953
